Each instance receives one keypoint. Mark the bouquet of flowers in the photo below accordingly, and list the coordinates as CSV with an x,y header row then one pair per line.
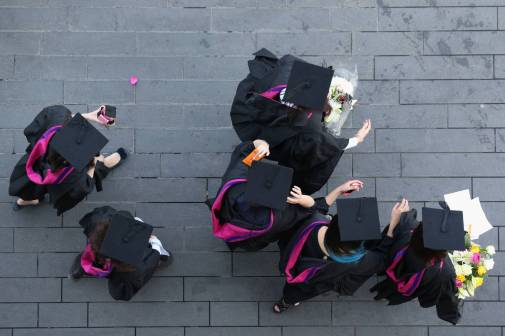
x,y
341,100
471,266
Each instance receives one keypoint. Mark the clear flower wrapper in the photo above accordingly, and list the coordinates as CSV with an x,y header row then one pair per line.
x,y
341,99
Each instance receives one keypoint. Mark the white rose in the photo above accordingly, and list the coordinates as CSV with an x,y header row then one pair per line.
x,y
490,249
489,264
466,269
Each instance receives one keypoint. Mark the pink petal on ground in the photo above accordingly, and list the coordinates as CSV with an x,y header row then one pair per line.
x,y
133,80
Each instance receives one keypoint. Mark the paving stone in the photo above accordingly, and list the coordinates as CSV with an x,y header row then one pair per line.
x,y
387,43
50,67
30,290
449,164
433,67
6,240
232,68
355,19
256,264
249,19
174,331
195,44
111,92
308,313
430,3
43,92
172,215
376,165
18,265
232,289
149,314
6,67
231,331
185,141
435,140
436,18
198,264
419,189
139,19
55,264
152,190
234,314
464,331
48,240
92,43
63,315
194,164
18,315
489,189
199,92
307,43
476,115
19,43
460,43
401,116
451,91
206,116
75,332
96,290
122,68
318,331
391,331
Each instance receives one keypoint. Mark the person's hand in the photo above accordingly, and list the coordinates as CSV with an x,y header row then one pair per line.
x,y
363,131
350,186
396,213
98,158
297,197
262,147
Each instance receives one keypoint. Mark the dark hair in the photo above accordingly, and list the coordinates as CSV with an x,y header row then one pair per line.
x,y
96,239
333,242
417,245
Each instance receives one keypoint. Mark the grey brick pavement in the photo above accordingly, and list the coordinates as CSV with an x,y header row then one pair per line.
x,y
432,81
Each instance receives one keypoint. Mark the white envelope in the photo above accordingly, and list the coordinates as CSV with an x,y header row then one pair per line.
x,y
474,218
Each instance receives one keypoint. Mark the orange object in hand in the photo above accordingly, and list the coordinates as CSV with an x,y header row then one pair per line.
x,y
251,157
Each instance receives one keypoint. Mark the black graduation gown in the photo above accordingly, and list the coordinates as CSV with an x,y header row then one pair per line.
x,y
74,188
324,275
123,285
234,210
437,287
295,140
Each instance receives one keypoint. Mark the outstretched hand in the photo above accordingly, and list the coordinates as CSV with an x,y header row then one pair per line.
x,y
396,213
297,197
350,186
364,130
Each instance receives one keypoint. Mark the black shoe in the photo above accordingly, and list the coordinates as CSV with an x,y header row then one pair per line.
x,y
76,272
167,259
18,207
123,154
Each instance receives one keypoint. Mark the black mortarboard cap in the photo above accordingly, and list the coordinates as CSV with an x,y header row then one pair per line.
x,y
443,229
78,142
308,85
268,184
358,219
126,239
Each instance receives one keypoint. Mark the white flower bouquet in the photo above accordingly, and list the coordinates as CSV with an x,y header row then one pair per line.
x,y
472,267
341,100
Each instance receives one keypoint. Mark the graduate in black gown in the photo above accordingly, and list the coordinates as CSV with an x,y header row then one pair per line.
x,y
62,158
418,266
335,255
252,207
120,248
283,101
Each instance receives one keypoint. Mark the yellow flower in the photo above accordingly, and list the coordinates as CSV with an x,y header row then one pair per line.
x,y
461,277
475,248
481,270
479,282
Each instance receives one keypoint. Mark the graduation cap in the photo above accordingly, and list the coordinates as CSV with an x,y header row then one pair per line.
x,y
358,218
268,184
308,85
78,142
443,229
126,239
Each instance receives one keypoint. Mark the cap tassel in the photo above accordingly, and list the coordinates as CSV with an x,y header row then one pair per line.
x,y
360,206
443,227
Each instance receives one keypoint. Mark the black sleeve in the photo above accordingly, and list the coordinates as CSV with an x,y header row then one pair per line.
x,y
321,205
448,306
124,285
83,186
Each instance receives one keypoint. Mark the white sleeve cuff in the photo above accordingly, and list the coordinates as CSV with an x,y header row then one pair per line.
x,y
353,142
